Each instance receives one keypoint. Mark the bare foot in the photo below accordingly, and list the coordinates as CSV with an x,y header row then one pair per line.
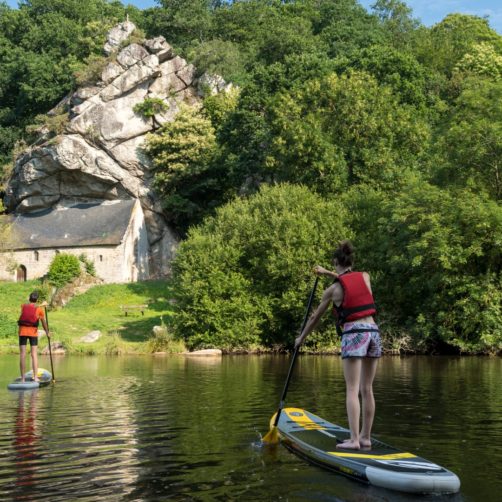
x,y
365,443
349,444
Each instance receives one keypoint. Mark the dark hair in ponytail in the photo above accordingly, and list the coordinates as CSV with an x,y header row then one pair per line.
x,y
344,254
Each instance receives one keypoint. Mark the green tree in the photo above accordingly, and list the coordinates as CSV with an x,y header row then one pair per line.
x,y
182,152
436,263
482,60
400,70
252,117
243,275
396,20
182,22
446,43
471,140
346,129
289,34
346,27
220,57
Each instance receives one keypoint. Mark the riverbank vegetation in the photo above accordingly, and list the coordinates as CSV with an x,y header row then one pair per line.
x,y
98,309
343,123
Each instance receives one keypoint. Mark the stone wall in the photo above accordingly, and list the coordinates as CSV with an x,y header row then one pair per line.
x,y
108,261
126,262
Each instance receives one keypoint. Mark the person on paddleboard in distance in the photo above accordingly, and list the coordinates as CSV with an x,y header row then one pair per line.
x,y
28,323
353,307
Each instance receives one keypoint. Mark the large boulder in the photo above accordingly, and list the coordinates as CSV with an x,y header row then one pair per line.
x,y
91,337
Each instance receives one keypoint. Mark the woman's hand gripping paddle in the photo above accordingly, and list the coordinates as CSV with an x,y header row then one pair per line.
x,y
272,436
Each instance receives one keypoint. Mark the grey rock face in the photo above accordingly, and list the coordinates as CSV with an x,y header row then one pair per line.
x,y
209,85
131,55
110,72
100,156
157,44
117,35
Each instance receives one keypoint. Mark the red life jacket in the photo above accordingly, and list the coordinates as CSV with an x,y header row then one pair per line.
x,y
357,301
28,315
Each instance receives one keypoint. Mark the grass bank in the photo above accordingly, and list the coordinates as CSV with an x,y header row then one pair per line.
x,y
97,310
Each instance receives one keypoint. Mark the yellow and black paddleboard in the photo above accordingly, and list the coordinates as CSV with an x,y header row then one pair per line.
x,y
44,378
315,439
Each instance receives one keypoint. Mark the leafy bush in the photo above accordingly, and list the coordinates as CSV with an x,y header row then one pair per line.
x,y
185,176
88,264
53,124
115,345
436,260
163,341
150,107
243,276
44,291
91,72
63,269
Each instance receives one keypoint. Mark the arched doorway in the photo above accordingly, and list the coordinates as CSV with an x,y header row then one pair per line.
x,y
21,274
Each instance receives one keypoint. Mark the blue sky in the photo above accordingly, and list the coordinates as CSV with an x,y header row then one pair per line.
x,y
428,11
432,11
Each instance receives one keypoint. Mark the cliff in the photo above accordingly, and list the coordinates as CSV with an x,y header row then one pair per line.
x,y
98,155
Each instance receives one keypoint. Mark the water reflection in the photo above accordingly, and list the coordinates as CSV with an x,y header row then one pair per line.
x,y
25,442
170,428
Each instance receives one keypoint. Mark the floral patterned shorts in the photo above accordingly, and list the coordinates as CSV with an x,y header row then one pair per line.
x,y
362,343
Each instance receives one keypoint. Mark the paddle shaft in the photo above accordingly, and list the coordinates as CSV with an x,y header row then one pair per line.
x,y
49,340
295,353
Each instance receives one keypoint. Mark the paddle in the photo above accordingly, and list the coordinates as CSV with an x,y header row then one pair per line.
x,y
272,437
49,340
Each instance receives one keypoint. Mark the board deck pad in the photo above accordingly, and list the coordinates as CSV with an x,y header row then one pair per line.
x,y
44,377
381,465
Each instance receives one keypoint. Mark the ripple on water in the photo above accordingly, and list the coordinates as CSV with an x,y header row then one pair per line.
x,y
142,429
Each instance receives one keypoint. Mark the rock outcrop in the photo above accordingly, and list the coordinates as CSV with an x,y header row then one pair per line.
x,y
99,155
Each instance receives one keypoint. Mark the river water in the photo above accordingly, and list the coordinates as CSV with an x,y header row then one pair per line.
x,y
174,428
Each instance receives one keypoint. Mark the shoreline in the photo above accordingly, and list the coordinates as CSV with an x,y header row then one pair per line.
x,y
92,351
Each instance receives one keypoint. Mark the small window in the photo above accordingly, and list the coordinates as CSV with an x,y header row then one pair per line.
x,y
57,251
100,257
36,255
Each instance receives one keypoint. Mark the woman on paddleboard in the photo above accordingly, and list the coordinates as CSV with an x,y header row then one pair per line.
x,y
353,307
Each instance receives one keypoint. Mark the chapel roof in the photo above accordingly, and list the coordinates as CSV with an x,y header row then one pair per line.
x,y
84,224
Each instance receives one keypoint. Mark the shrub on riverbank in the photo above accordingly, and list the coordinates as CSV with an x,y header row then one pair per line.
x,y
162,340
242,278
436,264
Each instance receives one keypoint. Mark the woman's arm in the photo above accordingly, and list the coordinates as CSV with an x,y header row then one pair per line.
x,y
316,316
318,270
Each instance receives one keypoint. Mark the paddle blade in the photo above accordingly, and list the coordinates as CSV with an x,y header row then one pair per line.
x,y
271,437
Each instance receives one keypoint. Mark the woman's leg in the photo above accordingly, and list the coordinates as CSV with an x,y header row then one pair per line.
x,y
34,362
22,360
368,370
352,373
